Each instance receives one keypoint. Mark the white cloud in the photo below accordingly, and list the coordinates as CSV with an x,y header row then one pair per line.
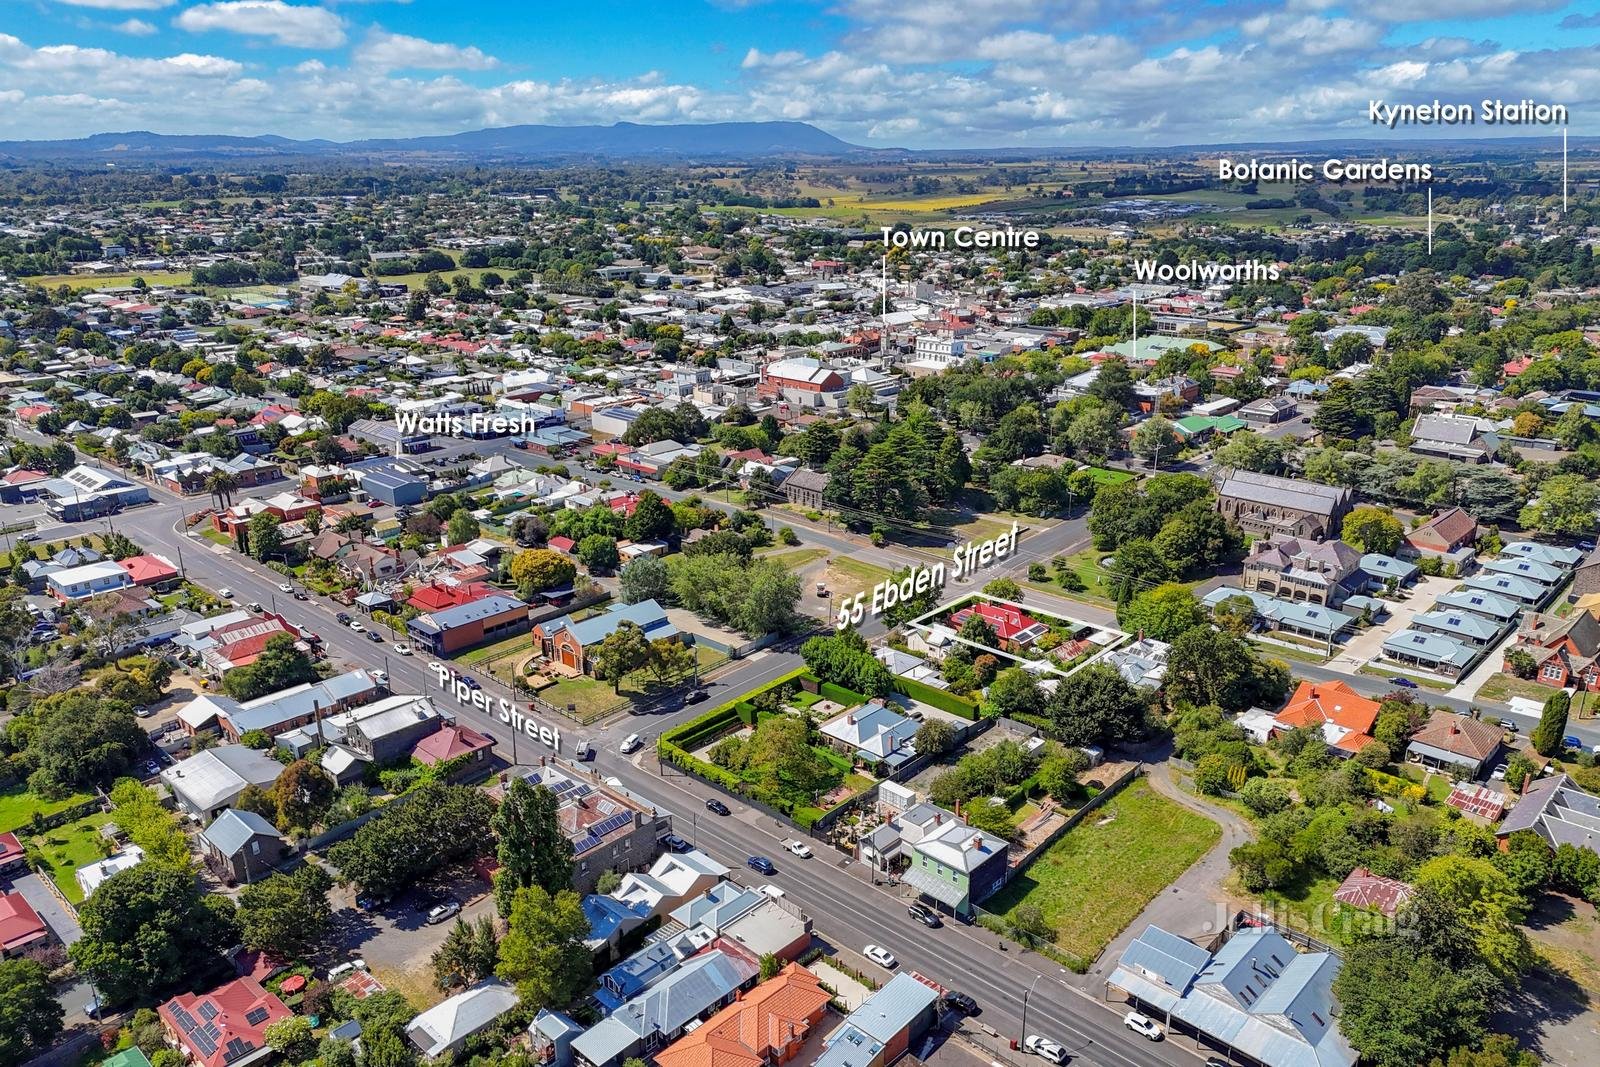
x,y
381,50
134,27
295,25
121,5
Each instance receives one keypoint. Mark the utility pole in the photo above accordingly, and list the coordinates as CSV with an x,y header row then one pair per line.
x,y
1026,993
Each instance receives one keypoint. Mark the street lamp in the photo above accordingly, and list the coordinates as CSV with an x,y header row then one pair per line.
x,y
1026,993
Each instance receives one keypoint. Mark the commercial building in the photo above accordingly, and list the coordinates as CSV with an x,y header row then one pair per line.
x,y
211,780
465,626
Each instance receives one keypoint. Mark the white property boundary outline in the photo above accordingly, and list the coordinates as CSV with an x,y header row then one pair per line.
x,y
1120,639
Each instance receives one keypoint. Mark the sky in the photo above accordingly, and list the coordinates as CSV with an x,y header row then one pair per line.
x,y
884,73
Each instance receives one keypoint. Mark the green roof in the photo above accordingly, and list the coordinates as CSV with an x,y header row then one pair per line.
x,y
1153,346
128,1057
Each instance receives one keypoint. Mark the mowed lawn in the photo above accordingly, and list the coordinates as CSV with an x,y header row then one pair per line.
x,y
18,806
1099,876
69,847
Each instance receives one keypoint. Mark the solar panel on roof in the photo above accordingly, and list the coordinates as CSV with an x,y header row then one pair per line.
x,y
257,1016
208,1011
185,1020
211,1031
236,1048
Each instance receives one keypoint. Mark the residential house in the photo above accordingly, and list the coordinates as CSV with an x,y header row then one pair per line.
x,y
884,1027
765,1028
13,858
465,626
955,867
1464,438
1016,629
1449,741
1429,651
211,780
386,731
567,643
1462,627
609,829
673,879
1269,410
92,579
1341,716
447,1026
1371,892
1318,572
1586,576
21,929
455,742
1565,651
1142,662
1257,995
668,1008
1531,570
278,712
1529,594
1557,810
92,876
1446,534
1266,505
242,845
873,733
1558,556
226,1027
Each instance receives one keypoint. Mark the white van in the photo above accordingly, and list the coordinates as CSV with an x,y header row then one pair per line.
x,y
632,743
584,751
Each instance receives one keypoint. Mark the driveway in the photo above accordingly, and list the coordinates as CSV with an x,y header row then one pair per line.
x,y
1366,645
1194,906
61,921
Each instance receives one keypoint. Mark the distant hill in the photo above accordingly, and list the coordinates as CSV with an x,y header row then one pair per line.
x,y
718,140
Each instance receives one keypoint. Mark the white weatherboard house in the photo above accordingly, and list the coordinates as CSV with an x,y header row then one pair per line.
x,y
446,1026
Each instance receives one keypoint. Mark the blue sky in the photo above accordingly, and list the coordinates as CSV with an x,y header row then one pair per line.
x,y
917,73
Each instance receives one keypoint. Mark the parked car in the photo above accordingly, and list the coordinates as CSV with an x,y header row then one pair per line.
x,y
761,865
343,617
225,593
1498,774
301,594
798,848
470,682
374,636
1141,1023
143,711
370,901
1572,741
355,624
960,1002
254,606
1405,683
1509,725
434,666
443,912
717,807
881,956
1587,544
696,697
925,915
285,587
631,744
1043,1046
402,648
379,675
674,843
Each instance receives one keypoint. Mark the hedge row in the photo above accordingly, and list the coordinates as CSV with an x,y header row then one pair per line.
x,y
697,731
840,695
942,699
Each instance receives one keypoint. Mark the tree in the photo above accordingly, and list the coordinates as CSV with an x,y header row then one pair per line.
x,y
934,738
290,1038
652,520
1566,504
30,1015
1058,773
620,653
303,792
645,578
543,951
530,845
598,553
1497,1050
286,915
1547,735
1156,437
1095,433
1207,666
264,538
438,825
538,569
1251,451
148,930
1014,691
1400,1005
468,955
279,666
1096,705
462,527
781,746
1236,615
845,660
1372,529
768,604
1136,566
1469,895
1162,613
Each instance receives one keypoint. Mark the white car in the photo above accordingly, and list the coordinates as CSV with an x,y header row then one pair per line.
x,y
1041,1046
225,593
355,624
285,587
379,675
631,744
434,666
798,848
402,648
1499,773
1140,1023
881,956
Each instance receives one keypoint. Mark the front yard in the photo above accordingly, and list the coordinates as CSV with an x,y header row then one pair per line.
x,y
590,696
1098,876
66,848
1502,687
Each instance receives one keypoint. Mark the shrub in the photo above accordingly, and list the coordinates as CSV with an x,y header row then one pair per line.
x,y
1265,796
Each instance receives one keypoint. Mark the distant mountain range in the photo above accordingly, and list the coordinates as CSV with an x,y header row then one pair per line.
x,y
718,140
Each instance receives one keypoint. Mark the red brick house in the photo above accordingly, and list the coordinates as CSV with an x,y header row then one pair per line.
x,y
798,375
225,1027
1566,652
1015,627
21,929
1446,532
12,857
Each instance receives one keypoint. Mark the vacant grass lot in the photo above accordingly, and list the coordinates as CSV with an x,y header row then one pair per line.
x,y
108,281
1099,876
18,807
590,697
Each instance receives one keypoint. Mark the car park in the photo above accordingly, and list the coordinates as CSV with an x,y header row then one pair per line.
x,y
761,865
881,956
1045,1048
798,848
925,915
717,807
1141,1023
